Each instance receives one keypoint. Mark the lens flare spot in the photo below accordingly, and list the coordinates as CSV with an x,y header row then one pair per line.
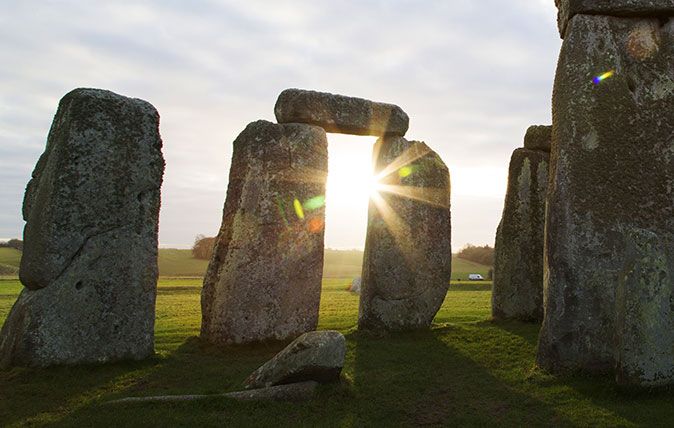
x,y
405,171
315,225
598,79
298,209
314,203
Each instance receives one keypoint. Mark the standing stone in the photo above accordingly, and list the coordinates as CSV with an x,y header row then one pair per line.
x,y
407,262
90,242
337,113
264,280
609,253
518,265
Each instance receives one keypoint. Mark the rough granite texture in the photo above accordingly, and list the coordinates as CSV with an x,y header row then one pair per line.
x,y
517,292
609,255
538,137
567,9
314,356
264,279
90,242
338,113
407,261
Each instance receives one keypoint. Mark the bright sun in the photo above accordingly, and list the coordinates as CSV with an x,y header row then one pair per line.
x,y
349,187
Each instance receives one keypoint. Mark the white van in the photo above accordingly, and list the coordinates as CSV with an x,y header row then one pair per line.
x,y
475,277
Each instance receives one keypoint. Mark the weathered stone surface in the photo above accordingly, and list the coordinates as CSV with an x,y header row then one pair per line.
x,y
338,113
611,200
314,356
567,9
538,137
645,313
518,266
90,241
407,261
264,280
294,392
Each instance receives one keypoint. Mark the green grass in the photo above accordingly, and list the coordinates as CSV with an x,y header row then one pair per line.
x,y
465,371
10,257
9,261
174,262
180,263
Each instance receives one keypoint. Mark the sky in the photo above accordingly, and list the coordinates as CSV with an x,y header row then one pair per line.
x,y
471,75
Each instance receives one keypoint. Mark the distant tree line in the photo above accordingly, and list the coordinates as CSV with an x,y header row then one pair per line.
x,y
483,255
203,247
17,244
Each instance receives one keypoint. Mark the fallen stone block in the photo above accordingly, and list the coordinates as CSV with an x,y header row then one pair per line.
x,y
294,392
316,356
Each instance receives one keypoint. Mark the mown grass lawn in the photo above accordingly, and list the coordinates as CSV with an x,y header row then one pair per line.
x,y
465,371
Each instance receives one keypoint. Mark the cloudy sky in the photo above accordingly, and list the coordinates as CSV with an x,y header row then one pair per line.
x,y
472,75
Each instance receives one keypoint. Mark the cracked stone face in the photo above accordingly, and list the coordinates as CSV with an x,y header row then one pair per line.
x,y
609,255
264,280
407,262
90,242
518,266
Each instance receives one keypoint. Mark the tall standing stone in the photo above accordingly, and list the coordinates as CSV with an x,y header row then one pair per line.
x,y
609,253
518,265
407,262
90,242
264,280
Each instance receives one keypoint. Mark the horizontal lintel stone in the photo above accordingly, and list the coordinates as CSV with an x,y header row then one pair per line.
x,y
567,9
339,113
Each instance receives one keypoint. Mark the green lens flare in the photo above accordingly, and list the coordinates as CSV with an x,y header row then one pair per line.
x,y
314,203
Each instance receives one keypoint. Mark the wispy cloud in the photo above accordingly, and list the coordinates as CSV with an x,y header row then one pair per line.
x,y
472,76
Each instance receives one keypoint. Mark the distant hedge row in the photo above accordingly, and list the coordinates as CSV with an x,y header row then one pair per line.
x,y
483,255
17,244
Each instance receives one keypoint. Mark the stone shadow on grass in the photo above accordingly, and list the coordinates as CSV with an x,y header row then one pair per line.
x,y
69,395
417,379
525,330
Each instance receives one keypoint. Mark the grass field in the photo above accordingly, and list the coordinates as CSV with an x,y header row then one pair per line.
x,y
9,261
465,371
337,264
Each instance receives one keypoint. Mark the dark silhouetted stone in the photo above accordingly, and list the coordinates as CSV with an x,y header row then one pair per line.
x,y
90,242
538,137
609,253
314,356
338,113
407,261
567,9
518,266
264,279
